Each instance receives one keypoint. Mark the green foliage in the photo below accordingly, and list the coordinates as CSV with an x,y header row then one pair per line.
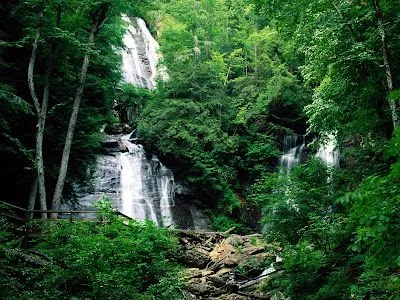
x,y
337,242
110,259
252,266
223,223
302,263
220,114
131,101
242,74
374,209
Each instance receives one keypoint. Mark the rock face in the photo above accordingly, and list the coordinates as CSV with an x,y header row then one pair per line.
x,y
228,268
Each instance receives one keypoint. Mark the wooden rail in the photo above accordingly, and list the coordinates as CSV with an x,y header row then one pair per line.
x,y
23,215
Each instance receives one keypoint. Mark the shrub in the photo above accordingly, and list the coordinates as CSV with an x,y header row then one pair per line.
x,y
111,259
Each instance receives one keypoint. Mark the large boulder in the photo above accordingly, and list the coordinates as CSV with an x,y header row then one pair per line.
x,y
196,257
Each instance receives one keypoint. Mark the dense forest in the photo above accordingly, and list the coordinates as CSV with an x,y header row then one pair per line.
x,y
242,75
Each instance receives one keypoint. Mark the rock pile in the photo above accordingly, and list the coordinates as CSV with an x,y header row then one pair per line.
x,y
228,268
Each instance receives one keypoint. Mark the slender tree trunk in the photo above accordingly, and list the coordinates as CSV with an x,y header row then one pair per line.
x,y
40,126
386,63
40,129
41,111
30,72
256,61
71,128
32,196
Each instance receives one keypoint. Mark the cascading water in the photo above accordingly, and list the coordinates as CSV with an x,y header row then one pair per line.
x,y
138,186
293,147
140,57
328,152
147,186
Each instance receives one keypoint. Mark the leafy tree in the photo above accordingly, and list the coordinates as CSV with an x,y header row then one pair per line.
x,y
221,111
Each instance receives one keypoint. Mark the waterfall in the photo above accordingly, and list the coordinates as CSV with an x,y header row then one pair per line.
x,y
147,186
293,147
137,184
140,56
328,152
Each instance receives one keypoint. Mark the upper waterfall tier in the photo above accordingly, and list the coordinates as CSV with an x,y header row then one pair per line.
x,y
140,54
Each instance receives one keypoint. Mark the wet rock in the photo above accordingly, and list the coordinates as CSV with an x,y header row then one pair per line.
x,y
182,189
231,261
236,268
114,129
206,273
216,266
200,221
224,273
196,281
110,143
235,240
188,296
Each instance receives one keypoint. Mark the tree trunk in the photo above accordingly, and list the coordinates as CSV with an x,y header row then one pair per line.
x,y
30,72
32,197
41,111
40,125
386,63
71,128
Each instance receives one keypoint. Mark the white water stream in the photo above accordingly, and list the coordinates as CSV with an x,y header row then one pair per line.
x,y
140,55
328,152
138,185
293,147
147,186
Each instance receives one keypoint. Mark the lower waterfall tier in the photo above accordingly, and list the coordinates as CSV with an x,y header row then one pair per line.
x,y
139,187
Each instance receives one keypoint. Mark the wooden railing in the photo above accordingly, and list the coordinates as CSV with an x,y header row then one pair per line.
x,y
18,214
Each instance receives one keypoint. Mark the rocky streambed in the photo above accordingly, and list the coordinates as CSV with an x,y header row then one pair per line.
x,y
228,266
